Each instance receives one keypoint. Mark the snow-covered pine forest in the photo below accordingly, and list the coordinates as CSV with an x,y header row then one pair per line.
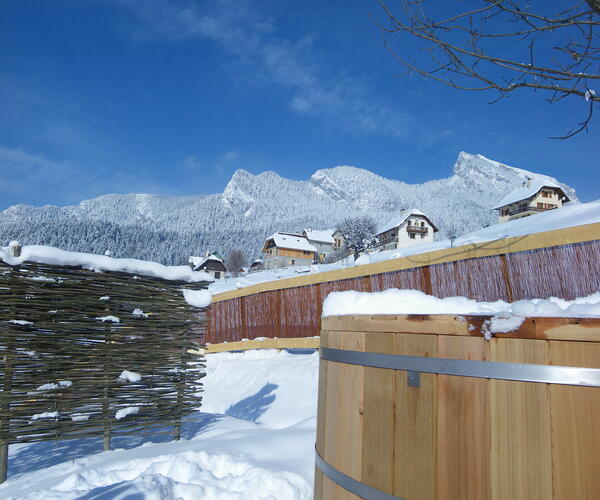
x,y
168,229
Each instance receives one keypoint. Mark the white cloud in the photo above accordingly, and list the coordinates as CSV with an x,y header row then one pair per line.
x,y
38,179
292,64
21,172
192,162
221,164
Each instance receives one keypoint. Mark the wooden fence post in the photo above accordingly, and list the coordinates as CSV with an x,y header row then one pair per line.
x,y
506,276
278,314
180,390
244,321
427,283
319,297
106,417
3,460
5,405
14,248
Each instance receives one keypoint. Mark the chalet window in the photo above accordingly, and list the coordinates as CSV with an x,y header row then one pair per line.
x,y
411,236
422,223
217,275
422,235
541,205
293,261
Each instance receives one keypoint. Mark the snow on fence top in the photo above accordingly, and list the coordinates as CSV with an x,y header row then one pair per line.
x,y
55,256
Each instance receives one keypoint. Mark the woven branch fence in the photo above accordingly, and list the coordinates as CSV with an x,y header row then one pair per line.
x,y
67,335
561,270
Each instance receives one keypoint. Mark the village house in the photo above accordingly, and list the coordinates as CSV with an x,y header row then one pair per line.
x,y
287,249
533,197
322,240
410,227
212,264
339,240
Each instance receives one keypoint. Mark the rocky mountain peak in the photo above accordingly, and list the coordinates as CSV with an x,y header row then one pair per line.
x,y
171,228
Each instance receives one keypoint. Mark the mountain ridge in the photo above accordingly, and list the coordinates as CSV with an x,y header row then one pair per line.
x,y
252,206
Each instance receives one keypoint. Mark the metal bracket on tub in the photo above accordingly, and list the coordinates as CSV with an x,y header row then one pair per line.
x,y
413,379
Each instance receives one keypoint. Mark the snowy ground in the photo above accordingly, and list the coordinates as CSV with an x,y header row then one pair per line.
x,y
254,439
575,214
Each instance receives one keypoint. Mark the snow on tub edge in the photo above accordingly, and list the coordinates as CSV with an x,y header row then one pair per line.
x,y
506,316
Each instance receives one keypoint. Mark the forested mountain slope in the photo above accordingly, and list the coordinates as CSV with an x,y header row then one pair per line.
x,y
169,229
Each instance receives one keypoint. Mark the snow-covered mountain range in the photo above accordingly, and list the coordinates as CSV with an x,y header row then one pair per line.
x,y
169,229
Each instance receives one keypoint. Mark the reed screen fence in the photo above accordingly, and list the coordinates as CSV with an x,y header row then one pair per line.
x,y
567,271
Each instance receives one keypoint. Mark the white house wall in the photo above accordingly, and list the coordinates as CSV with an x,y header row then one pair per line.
x,y
274,261
403,238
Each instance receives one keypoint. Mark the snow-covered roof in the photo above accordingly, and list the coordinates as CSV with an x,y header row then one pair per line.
x,y
324,236
526,192
399,219
291,241
197,262
56,256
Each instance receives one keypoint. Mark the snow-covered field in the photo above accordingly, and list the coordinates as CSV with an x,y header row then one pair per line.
x,y
253,439
575,214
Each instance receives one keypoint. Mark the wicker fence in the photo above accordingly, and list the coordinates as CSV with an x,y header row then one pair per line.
x,y
562,263
94,354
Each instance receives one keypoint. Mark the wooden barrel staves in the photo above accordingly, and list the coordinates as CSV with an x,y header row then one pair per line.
x,y
424,407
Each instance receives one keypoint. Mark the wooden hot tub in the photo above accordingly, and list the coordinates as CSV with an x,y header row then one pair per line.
x,y
456,416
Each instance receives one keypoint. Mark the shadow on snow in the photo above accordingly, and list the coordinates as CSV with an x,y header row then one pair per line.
x,y
48,453
45,454
253,407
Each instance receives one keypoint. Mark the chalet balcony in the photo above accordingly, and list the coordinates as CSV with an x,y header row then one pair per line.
x,y
417,229
384,241
521,210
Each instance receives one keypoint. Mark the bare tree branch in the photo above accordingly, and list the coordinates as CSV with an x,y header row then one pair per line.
x,y
501,47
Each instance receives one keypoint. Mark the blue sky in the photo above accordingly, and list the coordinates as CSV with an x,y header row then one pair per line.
x,y
171,97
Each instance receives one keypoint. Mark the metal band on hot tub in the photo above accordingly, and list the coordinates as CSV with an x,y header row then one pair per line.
x,y
350,484
549,374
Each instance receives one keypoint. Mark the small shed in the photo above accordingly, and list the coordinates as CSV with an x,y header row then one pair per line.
x,y
213,264
257,265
